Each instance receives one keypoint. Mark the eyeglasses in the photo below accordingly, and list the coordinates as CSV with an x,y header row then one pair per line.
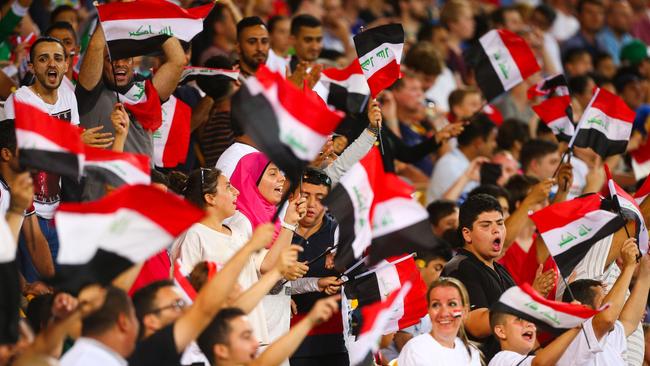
x,y
313,176
178,305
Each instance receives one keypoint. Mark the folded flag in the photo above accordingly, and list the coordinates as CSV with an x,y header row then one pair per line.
x,y
569,228
99,240
524,302
375,208
375,321
557,114
117,168
48,143
379,53
641,160
172,139
345,89
193,72
500,61
605,125
9,286
627,207
141,27
552,86
287,125
143,103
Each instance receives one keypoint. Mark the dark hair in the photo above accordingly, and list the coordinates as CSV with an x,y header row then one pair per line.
x,y
43,40
497,317
117,302
518,187
480,127
491,190
442,252
578,84
304,20
177,181
543,129
317,177
547,11
572,54
204,39
216,88
423,57
474,206
427,31
158,177
583,290
499,15
218,331
39,312
273,21
62,25
457,96
144,300
511,130
247,23
623,78
60,9
439,209
8,135
582,3
535,149
199,275
200,182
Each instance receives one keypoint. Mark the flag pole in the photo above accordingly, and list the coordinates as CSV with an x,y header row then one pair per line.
x,y
381,142
573,298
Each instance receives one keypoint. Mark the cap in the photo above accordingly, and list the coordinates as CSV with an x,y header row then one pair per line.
x,y
634,52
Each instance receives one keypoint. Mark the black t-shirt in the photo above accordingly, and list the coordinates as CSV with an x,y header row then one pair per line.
x,y
484,286
159,349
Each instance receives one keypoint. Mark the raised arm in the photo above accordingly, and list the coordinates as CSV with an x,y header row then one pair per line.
x,y
22,193
551,354
166,78
215,292
295,212
519,218
633,310
92,65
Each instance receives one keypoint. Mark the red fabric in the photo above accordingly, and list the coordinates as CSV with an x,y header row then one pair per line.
x,y
332,326
148,112
522,265
154,269
178,140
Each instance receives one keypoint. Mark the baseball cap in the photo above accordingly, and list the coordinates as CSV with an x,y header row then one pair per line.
x,y
634,52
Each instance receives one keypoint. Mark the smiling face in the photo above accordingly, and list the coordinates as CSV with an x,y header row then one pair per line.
x,y
271,184
121,69
485,237
49,64
516,334
446,311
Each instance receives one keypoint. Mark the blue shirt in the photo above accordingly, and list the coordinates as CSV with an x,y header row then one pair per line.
x,y
578,40
612,43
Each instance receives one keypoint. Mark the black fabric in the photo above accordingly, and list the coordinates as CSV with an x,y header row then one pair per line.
x,y
10,290
159,349
339,359
486,77
395,148
484,286
102,268
367,41
340,206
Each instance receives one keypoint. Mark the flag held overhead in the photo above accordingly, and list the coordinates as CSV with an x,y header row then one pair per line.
x,y
379,53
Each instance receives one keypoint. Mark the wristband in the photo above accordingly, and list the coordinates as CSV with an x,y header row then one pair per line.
x,y
373,130
289,227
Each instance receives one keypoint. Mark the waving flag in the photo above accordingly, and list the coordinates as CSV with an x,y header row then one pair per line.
x,y
570,228
628,208
98,240
642,192
524,302
47,143
117,168
557,114
141,27
373,206
287,125
193,72
345,89
380,52
605,125
641,160
9,286
143,103
552,86
501,61
172,140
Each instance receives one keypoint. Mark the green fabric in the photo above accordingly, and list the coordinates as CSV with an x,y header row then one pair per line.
x,y
7,25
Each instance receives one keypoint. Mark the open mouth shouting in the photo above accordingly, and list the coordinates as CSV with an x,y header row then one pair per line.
x,y
497,244
528,336
120,75
52,76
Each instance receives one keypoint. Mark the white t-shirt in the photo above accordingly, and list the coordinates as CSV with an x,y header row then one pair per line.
x,y
46,185
201,243
443,86
608,352
423,350
448,169
231,156
277,63
87,351
509,358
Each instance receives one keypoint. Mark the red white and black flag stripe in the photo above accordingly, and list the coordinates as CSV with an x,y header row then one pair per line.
x,y
287,125
47,143
117,168
172,140
100,239
570,228
142,101
642,192
524,302
375,208
501,60
141,27
193,72
552,86
641,160
379,51
605,125
346,89
557,114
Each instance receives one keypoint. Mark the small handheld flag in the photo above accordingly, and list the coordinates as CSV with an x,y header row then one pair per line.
x,y
380,53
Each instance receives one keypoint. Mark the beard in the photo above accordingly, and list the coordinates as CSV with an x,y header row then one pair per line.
x,y
252,63
42,79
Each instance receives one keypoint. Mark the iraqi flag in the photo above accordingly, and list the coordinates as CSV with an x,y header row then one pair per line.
x,y
117,168
501,60
628,207
375,209
569,228
345,89
47,143
193,72
141,27
552,86
605,125
641,160
183,284
524,302
172,140
374,321
100,239
642,192
143,103
557,114
9,286
379,53
287,125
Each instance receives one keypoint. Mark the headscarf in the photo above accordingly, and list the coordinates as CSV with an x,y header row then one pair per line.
x,y
250,202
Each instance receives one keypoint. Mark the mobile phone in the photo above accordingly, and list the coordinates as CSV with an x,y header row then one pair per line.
x,y
490,173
